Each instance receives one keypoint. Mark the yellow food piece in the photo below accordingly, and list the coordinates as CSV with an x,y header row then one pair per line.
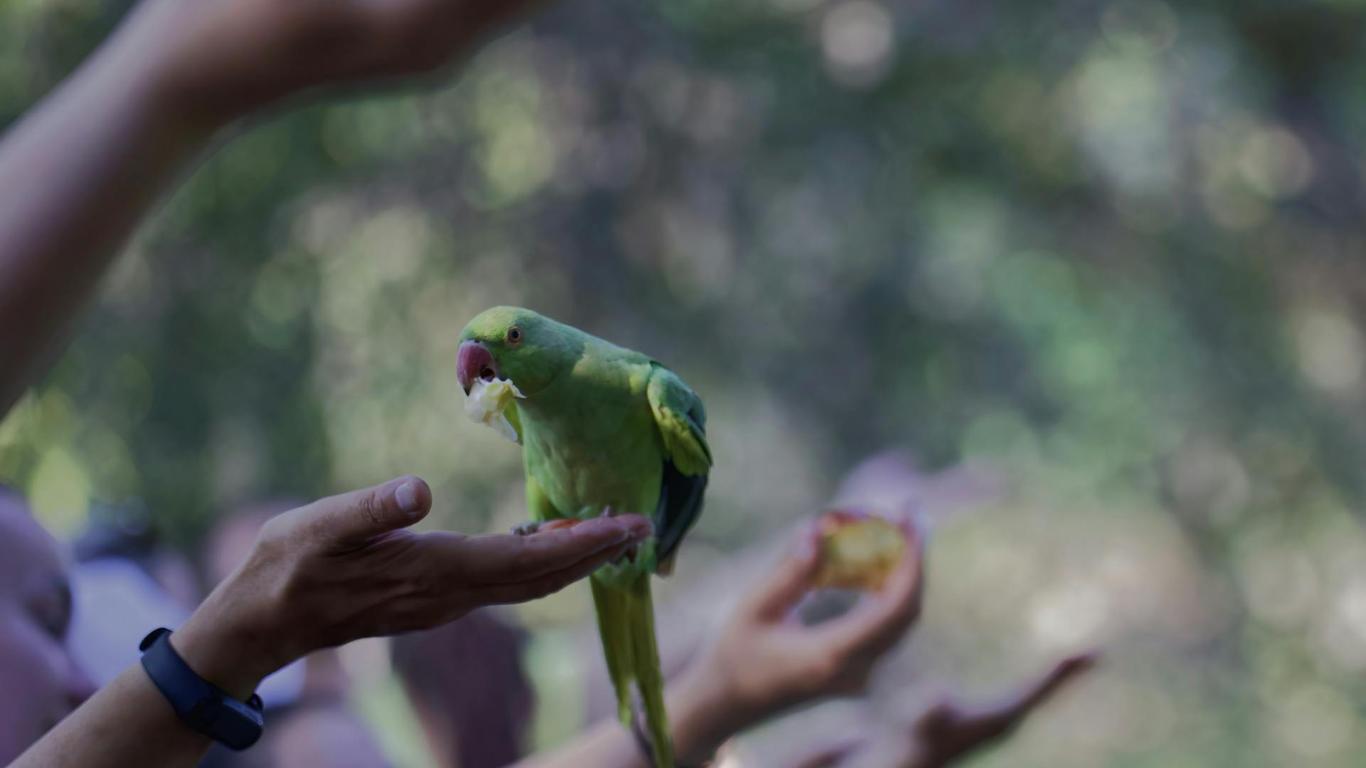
x,y
488,402
858,551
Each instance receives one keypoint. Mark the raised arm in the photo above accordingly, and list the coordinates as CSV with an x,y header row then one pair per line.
x,y
84,167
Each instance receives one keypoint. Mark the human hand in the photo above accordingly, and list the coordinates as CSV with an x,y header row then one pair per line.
x,y
344,567
949,730
764,662
217,60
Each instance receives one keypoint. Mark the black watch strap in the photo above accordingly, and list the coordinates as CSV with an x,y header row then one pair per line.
x,y
200,704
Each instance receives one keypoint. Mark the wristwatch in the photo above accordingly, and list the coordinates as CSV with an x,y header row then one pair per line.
x,y
201,705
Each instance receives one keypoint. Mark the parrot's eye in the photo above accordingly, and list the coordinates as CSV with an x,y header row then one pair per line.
x,y
514,335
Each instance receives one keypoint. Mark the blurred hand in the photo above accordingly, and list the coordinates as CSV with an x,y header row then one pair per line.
x,y
772,662
764,661
949,731
221,59
345,567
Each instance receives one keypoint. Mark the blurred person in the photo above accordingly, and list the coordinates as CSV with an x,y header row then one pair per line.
x,y
127,532
117,593
468,689
41,680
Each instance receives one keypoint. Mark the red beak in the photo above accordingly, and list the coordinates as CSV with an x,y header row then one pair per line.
x,y
474,362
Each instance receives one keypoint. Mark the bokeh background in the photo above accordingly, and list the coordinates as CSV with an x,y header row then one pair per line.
x,y
1112,251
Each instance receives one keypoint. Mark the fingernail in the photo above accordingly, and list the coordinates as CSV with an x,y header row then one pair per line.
x,y
406,496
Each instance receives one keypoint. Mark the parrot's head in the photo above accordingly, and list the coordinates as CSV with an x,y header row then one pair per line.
x,y
518,345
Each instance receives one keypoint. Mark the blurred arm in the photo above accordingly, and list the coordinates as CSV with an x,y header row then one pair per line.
x,y
82,168
79,172
702,715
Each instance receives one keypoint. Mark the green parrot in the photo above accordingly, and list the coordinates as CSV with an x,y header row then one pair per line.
x,y
603,430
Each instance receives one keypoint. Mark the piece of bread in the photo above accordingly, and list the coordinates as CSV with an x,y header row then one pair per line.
x,y
858,550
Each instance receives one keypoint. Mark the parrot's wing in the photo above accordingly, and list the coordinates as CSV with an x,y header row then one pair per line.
x,y
682,424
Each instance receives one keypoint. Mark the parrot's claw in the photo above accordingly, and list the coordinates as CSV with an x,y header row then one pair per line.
x,y
607,512
526,529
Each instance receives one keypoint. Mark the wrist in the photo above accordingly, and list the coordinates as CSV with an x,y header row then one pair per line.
x,y
224,644
705,713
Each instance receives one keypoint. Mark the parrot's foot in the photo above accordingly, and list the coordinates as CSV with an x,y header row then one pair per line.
x,y
527,528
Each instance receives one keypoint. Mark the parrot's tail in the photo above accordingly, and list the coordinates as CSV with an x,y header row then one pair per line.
x,y
626,621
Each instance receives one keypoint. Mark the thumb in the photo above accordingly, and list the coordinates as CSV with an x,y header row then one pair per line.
x,y
356,517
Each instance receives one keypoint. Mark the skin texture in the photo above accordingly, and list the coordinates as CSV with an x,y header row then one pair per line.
x,y
603,429
41,680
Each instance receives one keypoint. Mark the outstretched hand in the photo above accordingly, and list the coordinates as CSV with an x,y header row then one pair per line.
x,y
949,730
346,567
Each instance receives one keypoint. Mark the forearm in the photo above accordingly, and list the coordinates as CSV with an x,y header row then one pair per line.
x,y
607,744
128,722
79,172
700,716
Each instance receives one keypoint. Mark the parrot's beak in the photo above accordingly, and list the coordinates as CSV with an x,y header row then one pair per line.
x,y
474,362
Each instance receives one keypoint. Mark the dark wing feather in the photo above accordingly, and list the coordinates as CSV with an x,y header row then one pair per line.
x,y
682,422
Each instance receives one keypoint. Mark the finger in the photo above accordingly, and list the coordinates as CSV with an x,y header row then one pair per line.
x,y
1051,682
552,582
511,559
355,518
878,623
773,599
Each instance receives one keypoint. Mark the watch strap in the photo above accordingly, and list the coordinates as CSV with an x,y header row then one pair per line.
x,y
201,705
